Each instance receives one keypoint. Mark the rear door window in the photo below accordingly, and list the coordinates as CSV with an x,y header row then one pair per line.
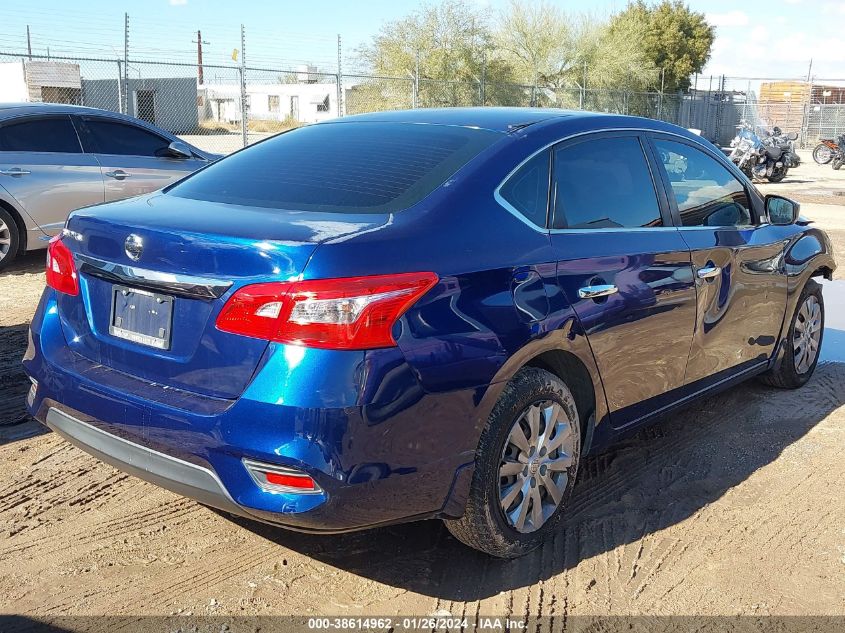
x,y
604,183
40,134
115,137
360,167
527,191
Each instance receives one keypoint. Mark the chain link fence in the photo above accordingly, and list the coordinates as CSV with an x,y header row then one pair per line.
x,y
221,108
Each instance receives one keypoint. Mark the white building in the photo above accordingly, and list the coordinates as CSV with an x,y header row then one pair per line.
x,y
305,101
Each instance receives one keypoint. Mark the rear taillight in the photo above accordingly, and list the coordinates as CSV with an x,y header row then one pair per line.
x,y
345,313
61,271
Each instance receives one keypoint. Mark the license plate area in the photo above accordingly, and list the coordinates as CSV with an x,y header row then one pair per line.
x,y
141,316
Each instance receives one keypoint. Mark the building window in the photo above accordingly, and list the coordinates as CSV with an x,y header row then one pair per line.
x,y
323,106
273,103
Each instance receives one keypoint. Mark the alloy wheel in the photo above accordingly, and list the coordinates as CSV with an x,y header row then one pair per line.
x,y
533,473
807,334
5,240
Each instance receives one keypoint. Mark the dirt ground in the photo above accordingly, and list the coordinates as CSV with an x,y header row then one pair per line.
x,y
733,506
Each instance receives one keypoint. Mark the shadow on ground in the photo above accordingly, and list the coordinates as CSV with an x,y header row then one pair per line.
x,y
660,477
31,262
13,381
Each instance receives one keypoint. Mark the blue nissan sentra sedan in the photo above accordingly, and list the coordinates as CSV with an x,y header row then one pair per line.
x,y
419,314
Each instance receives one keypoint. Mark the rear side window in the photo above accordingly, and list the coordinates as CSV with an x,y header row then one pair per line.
x,y
53,134
604,183
361,167
527,190
112,137
706,193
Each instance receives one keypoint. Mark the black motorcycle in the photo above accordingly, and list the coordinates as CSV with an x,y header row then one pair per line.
x,y
780,154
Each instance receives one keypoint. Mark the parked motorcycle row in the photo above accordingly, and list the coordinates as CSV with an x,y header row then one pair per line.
x,y
764,154
830,150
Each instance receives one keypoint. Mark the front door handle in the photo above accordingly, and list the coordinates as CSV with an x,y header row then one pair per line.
x,y
15,171
600,290
709,272
118,174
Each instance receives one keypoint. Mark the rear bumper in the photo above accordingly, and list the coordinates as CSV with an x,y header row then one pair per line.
x,y
178,476
373,444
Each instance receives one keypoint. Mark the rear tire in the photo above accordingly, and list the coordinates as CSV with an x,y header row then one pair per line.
x,y
822,154
522,478
9,239
806,331
779,175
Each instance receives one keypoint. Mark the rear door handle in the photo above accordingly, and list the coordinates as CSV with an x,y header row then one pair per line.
x,y
118,174
709,272
15,171
600,290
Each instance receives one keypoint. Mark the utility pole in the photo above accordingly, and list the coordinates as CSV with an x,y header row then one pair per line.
x,y
28,43
199,42
126,63
244,104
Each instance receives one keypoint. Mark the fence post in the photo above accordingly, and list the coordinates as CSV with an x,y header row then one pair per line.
x,y
660,96
125,63
120,87
339,79
484,81
244,103
415,96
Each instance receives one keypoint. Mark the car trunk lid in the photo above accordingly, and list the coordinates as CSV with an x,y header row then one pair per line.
x,y
155,271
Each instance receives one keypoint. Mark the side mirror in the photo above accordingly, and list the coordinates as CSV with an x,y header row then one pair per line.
x,y
782,211
177,149
792,136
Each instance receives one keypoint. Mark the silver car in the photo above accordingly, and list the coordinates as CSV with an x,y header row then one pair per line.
x,y
57,158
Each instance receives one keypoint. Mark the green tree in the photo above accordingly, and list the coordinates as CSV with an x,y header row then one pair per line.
x,y
535,41
451,45
675,40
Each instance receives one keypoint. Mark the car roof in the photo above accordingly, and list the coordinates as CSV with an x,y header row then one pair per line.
x,y
17,109
508,120
503,120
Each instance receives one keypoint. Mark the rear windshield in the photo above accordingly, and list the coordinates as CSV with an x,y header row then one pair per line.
x,y
362,167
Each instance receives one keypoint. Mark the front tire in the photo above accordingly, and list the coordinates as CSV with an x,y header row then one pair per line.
x,y
9,238
804,341
525,467
822,154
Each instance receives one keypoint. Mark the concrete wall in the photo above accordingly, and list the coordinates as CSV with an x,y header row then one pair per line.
x,y
174,100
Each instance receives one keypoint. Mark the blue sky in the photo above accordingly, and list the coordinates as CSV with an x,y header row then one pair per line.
x,y
755,38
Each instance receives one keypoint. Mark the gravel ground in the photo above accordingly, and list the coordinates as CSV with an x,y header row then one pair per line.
x,y
733,506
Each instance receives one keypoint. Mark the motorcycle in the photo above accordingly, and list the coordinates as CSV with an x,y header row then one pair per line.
x,y
824,151
787,142
760,154
838,154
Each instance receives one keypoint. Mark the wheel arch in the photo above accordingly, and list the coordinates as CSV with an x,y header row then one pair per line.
x,y
569,368
565,353
21,225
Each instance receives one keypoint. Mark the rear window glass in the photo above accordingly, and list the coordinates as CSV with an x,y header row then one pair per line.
x,y
340,167
54,134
